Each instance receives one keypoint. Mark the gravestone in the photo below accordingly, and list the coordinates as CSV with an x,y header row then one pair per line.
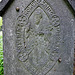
x,y
38,38
72,2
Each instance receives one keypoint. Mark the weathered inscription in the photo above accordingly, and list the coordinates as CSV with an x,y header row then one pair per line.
x,y
38,37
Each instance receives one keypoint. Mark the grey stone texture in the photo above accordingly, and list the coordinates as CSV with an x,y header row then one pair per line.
x,y
4,4
39,38
72,2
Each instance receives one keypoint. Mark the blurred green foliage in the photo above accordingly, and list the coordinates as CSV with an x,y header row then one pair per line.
x,y
1,54
1,50
0,22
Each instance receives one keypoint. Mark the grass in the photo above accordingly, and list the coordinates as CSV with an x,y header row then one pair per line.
x,y
1,54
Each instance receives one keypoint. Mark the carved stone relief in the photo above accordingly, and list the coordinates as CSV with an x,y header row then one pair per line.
x,y
38,37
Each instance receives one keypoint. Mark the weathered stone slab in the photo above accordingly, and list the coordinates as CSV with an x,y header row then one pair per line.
x,y
72,2
4,4
38,38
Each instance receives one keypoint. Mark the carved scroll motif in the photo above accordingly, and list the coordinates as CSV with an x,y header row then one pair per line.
x,y
38,37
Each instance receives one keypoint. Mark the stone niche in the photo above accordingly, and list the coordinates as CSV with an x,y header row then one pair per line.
x,y
38,38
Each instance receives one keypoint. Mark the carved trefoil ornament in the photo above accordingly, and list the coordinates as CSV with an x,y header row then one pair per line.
x,y
38,37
